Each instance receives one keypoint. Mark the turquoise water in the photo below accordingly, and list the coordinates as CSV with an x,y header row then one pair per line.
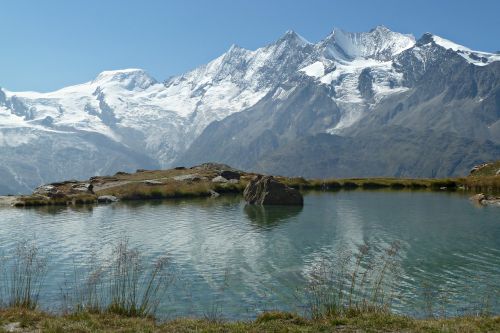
x,y
243,259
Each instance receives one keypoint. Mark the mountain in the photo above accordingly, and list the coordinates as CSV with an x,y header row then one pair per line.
x,y
393,106
355,99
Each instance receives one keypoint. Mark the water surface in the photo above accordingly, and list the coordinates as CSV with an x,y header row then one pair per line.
x,y
245,259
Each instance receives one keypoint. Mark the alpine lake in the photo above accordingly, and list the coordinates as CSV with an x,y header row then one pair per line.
x,y
236,259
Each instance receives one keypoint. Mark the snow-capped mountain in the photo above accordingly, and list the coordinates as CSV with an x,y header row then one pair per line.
x,y
125,119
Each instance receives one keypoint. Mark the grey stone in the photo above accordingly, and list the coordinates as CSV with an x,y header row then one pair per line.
x,y
214,194
190,177
107,199
83,187
492,202
485,200
266,190
478,198
45,189
152,182
219,179
50,191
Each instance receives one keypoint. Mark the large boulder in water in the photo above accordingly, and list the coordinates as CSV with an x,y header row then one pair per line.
x,y
265,190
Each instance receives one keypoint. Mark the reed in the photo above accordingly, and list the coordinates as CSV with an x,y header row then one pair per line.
x,y
23,273
352,282
125,286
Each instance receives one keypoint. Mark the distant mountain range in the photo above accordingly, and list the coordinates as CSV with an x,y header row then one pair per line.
x,y
376,103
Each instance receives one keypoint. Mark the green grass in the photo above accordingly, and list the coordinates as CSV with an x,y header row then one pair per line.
x,y
31,321
485,184
487,171
141,191
375,183
485,179
36,200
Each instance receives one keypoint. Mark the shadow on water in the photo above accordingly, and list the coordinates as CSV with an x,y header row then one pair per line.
x,y
205,202
224,200
267,217
55,210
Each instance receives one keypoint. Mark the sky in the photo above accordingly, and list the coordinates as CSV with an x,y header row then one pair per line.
x,y
46,45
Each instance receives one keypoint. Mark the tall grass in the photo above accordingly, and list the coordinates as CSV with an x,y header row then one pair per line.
x,y
23,274
352,282
125,286
349,282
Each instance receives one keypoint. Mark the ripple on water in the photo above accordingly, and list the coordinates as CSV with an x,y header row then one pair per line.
x,y
250,258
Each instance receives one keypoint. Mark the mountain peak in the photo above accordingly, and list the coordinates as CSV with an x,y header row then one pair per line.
x,y
291,36
478,58
236,49
379,43
425,39
381,28
130,78
233,47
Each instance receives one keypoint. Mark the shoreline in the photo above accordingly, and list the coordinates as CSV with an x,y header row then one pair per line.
x,y
205,180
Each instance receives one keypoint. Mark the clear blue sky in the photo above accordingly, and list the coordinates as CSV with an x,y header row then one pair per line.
x,y
49,44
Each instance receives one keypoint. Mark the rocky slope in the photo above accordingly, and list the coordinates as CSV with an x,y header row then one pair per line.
x,y
431,111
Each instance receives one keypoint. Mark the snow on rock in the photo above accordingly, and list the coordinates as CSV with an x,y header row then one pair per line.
x,y
316,69
379,43
129,79
345,56
474,57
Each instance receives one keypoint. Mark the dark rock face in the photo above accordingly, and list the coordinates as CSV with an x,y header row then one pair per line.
x,y
447,111
3,98
265,190
365,85
229,174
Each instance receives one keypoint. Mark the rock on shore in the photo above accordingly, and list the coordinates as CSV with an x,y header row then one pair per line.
x,y
484,199
266,190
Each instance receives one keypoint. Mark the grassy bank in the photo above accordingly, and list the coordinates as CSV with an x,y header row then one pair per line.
x,y
19,320
375,183
488,184
198,182
485,179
